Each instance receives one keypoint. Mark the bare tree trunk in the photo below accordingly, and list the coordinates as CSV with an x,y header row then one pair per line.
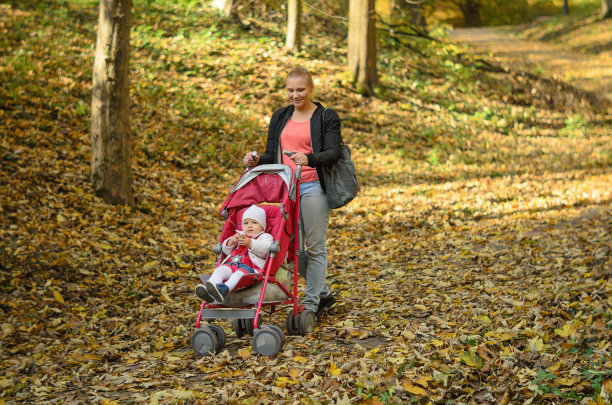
x,y
294,26
111,170
565,7
224,5
471,12
362,45
606,8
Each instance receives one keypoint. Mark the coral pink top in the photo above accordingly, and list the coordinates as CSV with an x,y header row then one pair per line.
x,y
296,138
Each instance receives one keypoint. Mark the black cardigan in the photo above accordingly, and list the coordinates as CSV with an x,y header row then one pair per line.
x,y
325,150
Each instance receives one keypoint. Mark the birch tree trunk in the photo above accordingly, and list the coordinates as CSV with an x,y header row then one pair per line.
x,y
111,171
606,8
362,45
294,26
224,5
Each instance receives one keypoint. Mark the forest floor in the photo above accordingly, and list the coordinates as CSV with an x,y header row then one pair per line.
x,y
557,54
473,268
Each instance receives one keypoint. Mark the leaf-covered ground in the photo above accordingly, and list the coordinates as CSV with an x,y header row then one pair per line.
x,y
474,267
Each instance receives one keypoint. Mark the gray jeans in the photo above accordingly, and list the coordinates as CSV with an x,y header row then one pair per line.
x,y
314,212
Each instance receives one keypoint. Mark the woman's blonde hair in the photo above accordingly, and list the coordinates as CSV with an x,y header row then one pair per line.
x,y
299,71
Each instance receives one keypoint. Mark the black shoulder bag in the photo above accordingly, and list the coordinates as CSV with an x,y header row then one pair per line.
x,y
341,184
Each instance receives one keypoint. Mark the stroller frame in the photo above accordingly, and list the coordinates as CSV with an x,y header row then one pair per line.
x,y
245,305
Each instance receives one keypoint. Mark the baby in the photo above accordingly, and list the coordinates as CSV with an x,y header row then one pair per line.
x,y
246,253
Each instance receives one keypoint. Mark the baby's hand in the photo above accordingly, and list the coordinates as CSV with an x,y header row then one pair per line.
x,y
232,241
244,240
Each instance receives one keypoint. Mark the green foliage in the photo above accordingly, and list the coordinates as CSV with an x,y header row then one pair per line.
x,y
576,126
503,12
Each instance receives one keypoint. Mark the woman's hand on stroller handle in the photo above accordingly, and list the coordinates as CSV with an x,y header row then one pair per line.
x,y
251,159
298,158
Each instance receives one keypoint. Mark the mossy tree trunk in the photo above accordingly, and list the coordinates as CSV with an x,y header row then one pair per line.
x,y
362,45
294,26
111,143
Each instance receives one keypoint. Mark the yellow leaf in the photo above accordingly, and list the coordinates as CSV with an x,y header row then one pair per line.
x,y
334,370
58,296
283,381
164,294
370,353
7,330
244,353
294,374
300,359
423,381
344,401
499,335
413,389
537,345
567,330
471,359
568,382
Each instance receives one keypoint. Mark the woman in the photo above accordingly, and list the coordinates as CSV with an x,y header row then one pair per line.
x,y
315,138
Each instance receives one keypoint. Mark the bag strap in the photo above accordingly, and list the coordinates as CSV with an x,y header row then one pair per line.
x,y
323,122
323,126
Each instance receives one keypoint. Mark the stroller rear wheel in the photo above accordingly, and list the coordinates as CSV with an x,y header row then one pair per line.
x,y
306,322
292,323
204,341
267,341
243,326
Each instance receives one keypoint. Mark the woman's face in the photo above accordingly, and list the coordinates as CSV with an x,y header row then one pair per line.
x,y
299,91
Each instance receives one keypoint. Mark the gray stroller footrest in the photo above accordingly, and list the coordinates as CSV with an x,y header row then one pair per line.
x,y
229,313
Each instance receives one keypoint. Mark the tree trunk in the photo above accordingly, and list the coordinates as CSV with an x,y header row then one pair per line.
x,y
471,13
565,7
224,5
294,26
362,45
111,170
606,8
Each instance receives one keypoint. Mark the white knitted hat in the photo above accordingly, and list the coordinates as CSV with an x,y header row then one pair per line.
x,y
255,213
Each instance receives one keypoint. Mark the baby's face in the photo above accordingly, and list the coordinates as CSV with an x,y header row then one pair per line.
x,y
251,227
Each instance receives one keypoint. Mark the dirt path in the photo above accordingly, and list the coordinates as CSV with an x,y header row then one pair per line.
x,y
587,71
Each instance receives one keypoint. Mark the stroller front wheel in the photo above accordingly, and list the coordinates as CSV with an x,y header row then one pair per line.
x,y
267,341
220,334
280,333
204,341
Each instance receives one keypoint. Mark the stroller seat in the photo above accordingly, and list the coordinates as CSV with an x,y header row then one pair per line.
x,y
250,295
247,293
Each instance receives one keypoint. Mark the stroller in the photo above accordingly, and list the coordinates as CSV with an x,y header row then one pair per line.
x,y
275,188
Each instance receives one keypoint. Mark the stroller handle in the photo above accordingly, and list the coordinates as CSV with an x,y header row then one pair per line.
x,y
253,156
298,171
297,176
